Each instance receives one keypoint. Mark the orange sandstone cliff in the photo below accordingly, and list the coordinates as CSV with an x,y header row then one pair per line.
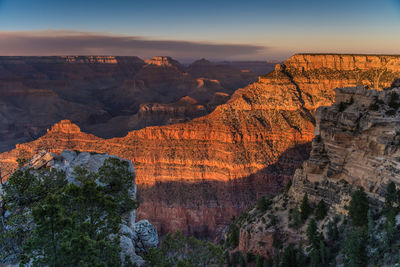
x,y
195,176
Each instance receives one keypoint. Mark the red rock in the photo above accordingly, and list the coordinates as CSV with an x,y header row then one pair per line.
x,y
195,176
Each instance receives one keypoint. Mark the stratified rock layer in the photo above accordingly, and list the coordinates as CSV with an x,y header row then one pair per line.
x,y
36,92
356,144
195,176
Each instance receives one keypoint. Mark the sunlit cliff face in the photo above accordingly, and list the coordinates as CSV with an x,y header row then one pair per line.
x,y
217,165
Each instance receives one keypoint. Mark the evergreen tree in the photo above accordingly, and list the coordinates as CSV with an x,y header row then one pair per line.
x,y
233,237
305,209
276,259
242,262
390,226
259,261
289,257
358,209
300,256
333,232
288,185
262,204
323,251
391,196
354,250
312,233
314,258
321,210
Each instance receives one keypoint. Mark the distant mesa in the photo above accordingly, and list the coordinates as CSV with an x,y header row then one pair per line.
x,y
65,126
163,61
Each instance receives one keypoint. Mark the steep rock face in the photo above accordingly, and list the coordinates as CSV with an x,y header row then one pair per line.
x,y
356,141
36,92
356,144
219,164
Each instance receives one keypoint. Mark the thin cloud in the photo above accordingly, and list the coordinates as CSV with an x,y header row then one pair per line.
x,y
45,43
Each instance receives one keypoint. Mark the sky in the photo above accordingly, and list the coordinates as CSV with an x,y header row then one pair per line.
x,y
186,30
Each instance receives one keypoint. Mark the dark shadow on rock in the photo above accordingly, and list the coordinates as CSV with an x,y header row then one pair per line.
x,y
205,208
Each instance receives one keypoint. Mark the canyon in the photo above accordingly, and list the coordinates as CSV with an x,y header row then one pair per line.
x,y
196,175
125,93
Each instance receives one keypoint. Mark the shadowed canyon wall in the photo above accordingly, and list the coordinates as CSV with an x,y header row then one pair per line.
x,y
196,175
106,95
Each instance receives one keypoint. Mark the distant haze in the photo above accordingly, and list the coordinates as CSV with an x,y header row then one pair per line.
x,y
184,29
77,43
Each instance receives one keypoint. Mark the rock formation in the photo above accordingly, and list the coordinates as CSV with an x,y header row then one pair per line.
x,y
36,92
356,144
195,176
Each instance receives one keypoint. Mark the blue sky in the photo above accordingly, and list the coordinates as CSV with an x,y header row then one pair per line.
x,y
264,29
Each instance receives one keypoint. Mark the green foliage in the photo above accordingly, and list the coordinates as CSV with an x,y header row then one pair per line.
x,y
242,262
259,261
305,208
21,162
390,226
277,243
333,232
321,210
354,250
314,258
22,191
391,195
358,209
288,185
312,233
233,237
250,257
276,260
289,256
262,204
116,176
295,218
61,224
179,250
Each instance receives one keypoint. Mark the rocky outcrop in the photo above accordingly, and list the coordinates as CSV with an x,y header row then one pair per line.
x,y
217,165
164,62
356,144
